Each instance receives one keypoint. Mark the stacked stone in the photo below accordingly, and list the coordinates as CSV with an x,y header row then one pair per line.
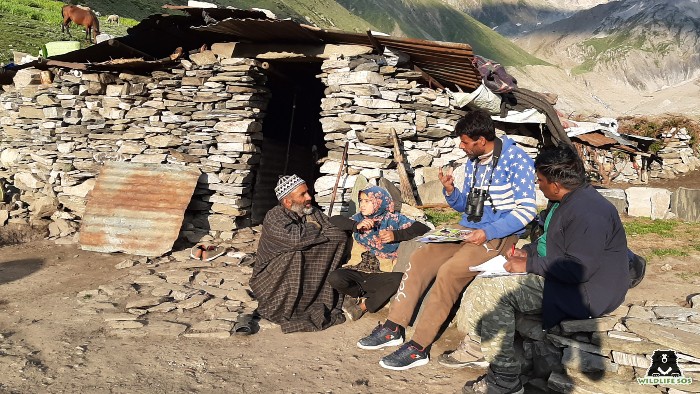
x,y
677,154
609,354
206,113
206,298
364,101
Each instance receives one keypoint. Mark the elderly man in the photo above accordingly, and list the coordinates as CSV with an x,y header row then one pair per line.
x,y
298,249
578,269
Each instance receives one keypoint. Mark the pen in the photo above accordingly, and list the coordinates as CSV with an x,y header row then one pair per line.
x,y
512,250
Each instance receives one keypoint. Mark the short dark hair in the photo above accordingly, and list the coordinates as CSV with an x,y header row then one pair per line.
x,y
563,165
476,124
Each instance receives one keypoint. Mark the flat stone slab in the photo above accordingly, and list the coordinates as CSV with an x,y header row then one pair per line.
x,y
164,328
119,317
575,358
671,338
605,323
125,324
192,302
144,302
209,335
674,312
632,360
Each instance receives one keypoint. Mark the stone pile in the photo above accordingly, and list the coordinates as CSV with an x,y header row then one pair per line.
x,y
677,154
365,99
176,295
206,113
609,354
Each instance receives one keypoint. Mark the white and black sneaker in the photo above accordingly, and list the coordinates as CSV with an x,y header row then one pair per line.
x,y
406,357
381,337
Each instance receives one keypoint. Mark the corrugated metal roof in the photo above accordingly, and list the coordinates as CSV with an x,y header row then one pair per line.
x,y
447,62
595,139
137,208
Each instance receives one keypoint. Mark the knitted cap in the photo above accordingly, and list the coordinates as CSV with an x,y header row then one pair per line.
x,y
287,184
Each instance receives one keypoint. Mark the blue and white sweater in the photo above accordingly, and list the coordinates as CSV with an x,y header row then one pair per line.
x,y
512,190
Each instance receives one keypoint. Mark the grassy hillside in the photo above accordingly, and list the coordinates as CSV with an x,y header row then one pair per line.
x,y
434,20
25,25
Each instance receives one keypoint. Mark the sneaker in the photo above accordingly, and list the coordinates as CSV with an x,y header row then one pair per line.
x,y
406,357
352,309
494,385
467,354
381,337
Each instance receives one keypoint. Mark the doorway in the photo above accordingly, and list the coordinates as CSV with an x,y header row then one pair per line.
x,y
292,134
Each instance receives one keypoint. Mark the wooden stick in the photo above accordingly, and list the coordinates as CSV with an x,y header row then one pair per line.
x,y
405,183
337,179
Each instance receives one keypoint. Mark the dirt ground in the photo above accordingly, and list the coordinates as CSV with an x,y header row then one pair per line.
x,y
50,343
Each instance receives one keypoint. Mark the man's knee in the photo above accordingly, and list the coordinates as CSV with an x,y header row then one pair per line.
x,y
337,279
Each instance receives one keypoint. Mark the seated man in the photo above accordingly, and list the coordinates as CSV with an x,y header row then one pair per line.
x,y
298,249
498,201
578,269
377,230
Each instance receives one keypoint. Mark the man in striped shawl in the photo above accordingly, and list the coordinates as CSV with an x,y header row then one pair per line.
x,y
298,249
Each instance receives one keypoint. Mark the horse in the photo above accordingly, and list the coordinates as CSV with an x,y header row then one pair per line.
x,y
113,19
83,17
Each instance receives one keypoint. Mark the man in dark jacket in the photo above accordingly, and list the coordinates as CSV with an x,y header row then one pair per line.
x,y
577,269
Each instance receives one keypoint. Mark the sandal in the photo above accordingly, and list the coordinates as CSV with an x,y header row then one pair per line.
x,y
246,324
196,252
211,252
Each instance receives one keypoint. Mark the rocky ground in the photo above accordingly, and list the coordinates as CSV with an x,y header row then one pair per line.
x,y
76,321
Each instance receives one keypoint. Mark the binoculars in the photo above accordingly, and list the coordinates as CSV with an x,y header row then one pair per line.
x,y
475,204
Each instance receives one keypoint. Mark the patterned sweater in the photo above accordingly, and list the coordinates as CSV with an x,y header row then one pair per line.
x,y
512,189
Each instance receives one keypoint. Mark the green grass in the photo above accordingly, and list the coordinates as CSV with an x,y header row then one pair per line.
x,y
666,252
642,226
440,217
26,25
688,276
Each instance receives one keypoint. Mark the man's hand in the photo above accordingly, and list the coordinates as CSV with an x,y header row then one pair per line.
x,y
516,253
477,237
386,236
447,180
365,224
516,264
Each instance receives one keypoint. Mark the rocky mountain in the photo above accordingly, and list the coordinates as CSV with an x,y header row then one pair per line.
x,y
647,44
512,18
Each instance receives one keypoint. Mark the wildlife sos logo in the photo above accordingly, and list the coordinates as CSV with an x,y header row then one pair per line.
x,y
664,369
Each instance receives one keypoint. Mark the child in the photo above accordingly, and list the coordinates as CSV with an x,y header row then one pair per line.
x,y
377,231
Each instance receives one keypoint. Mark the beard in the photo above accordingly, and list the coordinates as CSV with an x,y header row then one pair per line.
x,y
301,209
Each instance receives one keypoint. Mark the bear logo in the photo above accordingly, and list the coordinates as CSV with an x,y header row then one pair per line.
x,y
664,363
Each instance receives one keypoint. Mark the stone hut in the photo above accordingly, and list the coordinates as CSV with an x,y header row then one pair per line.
x,y
242,98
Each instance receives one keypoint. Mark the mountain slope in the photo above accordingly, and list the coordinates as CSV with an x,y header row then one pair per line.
x,y
647,44
512,18
431,19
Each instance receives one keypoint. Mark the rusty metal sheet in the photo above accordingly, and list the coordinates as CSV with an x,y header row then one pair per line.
x,y
595,139
137,208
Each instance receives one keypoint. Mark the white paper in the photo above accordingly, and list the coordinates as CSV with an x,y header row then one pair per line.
x,y
493,268
493,265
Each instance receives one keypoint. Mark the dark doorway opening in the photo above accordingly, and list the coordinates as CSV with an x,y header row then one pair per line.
x,y
292,134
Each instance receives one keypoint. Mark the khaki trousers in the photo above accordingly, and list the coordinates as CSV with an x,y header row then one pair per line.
x,y
448,264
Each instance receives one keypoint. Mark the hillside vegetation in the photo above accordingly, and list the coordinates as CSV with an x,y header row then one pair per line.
x,y
26,25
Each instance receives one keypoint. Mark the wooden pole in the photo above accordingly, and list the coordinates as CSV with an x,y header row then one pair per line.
x,y
405,183
337,178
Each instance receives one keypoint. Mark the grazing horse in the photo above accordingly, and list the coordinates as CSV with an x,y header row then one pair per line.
x,y
83,17
113,19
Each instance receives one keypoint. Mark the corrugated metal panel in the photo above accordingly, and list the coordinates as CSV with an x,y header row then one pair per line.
x,y
137,208
595,139
447,62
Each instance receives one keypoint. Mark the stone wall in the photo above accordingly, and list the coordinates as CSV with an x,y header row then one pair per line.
x,y
205,114
676,154
365,99
608,354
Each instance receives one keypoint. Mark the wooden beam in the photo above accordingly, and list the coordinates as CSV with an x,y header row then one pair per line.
x,y
377,46
431,80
